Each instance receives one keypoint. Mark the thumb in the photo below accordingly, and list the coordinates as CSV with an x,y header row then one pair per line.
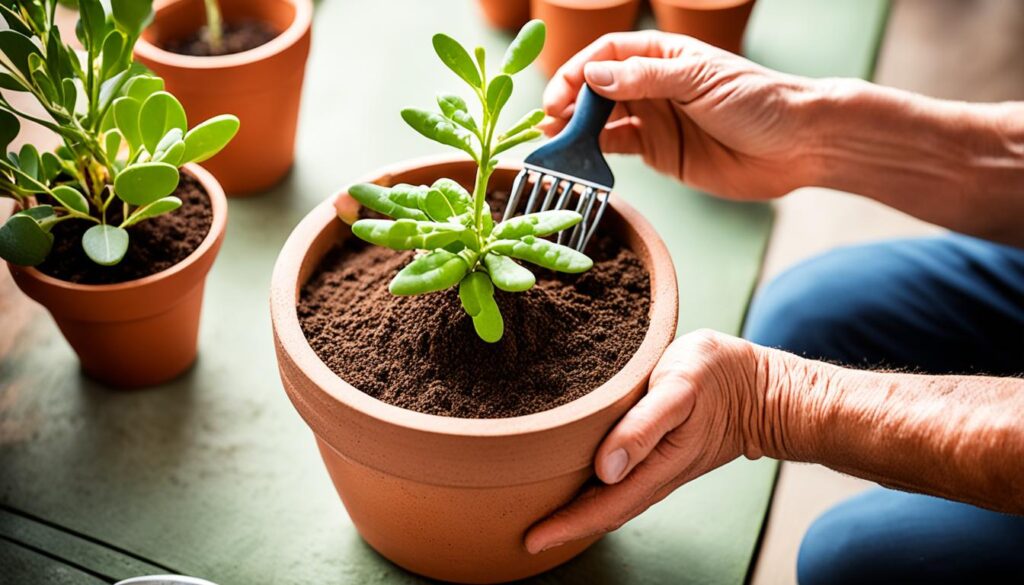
x,y
640,78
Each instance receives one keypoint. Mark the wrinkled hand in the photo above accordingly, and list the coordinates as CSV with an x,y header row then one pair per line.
x,y
695,417
711,119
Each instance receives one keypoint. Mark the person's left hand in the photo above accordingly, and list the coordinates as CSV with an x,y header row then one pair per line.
x,y
695,417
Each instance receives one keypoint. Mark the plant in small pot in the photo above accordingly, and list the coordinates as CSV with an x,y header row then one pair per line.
x,y
248,56
108,234
457,396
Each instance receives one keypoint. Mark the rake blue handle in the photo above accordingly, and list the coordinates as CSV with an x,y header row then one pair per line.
x,y
576,150
591,114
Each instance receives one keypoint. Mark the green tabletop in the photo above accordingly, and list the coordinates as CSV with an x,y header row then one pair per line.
x,y
215,475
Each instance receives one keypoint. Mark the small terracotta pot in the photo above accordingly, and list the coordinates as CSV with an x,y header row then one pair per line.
x,y
137,333
716,22
452,498
263,86
505,14
574,24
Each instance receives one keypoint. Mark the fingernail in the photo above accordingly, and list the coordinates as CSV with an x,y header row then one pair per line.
x,y
599,74
551,546
615,465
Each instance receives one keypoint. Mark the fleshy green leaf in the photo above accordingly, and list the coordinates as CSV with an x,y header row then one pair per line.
x,y
454,108
436,205
525,123
539,224
158,207
40,213
105,245
456,58
498,92
209,138
438,128
477,295
143,184
112,143
126,116
9,82
29,161
70,95
92,24
71,199
159,114
391,202
544,253
132,16
516,140
51,166
435,271
9,129
460,199
170,148
141,87
113,47
507,274
525,47
406,234
23,242
16,49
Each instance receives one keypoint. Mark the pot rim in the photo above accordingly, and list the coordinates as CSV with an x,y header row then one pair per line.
x,y
591,5
704,5
292,341
219,205
290,36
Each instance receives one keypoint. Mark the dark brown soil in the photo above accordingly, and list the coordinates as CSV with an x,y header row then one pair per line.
x,y
155,244
238,37
563,338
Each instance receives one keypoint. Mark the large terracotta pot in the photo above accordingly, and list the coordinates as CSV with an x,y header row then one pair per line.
x,y
137,333
506,14
451,498
716,22
263,86
574,24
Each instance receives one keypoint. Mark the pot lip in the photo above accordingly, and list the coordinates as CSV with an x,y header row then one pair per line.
x,y
588,5
218,202
302,22
704,5
292,341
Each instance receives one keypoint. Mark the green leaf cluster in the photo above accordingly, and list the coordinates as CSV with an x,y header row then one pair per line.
x,y
453,230
124,137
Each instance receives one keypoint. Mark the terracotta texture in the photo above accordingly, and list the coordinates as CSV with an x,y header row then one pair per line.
x,y
574,24
263,87
717,22
506,14
137,333
445,497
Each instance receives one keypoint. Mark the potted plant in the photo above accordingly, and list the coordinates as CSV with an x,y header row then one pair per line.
x,y
108,235
505,14
251,62
716,22
574,24
451,420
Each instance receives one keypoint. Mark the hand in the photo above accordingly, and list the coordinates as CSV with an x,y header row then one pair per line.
x,y
709,118
691,421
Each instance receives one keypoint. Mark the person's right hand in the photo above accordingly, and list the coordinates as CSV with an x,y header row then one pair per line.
x,y
713,120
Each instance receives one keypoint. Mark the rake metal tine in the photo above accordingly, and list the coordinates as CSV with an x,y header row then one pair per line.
x,y
584,226
579,209
533,194
566,193
597,218
551,195
517,190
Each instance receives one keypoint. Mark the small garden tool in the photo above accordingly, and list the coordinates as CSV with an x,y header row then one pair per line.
x,y
570,160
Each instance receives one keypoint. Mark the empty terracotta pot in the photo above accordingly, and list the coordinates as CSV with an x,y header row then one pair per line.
x,y
452,498
262,86
574,24
506,14
716,22
138,333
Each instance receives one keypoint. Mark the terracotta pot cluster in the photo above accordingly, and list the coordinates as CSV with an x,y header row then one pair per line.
x,y
445,497
574,24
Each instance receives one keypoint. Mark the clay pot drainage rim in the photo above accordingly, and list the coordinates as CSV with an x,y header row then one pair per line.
x,y
219,208
284,293
291,35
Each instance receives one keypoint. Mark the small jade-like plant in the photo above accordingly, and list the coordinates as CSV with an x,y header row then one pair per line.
x,y
123,136
458,239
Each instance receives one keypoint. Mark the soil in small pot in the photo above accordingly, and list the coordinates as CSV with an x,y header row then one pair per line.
x,y
238,37
156,244
563,338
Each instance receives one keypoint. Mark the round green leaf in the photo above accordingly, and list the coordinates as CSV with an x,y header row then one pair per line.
x,y
16,49
525,47
143,86
544,253
477,296
498,92
71,198
9,129
158,207
457,59
23,242
208,138
144,183
105,245
159,114
436,271
508,275
126,117
132,16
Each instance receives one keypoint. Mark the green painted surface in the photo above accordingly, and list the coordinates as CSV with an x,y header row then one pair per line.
x,y
215,475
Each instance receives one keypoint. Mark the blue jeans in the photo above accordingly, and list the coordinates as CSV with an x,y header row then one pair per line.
x,y
948,304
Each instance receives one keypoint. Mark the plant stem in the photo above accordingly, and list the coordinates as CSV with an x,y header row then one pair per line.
x,y
214,26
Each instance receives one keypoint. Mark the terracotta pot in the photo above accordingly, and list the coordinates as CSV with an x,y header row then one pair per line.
x,y
574,24
263,86
506,14
451,498
716,22
137,333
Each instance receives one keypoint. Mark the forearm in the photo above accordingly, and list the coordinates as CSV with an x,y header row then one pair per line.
x,y
956,164
958,437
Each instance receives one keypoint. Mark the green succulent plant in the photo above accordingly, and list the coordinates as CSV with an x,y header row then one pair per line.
x,y
458,240
124,137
